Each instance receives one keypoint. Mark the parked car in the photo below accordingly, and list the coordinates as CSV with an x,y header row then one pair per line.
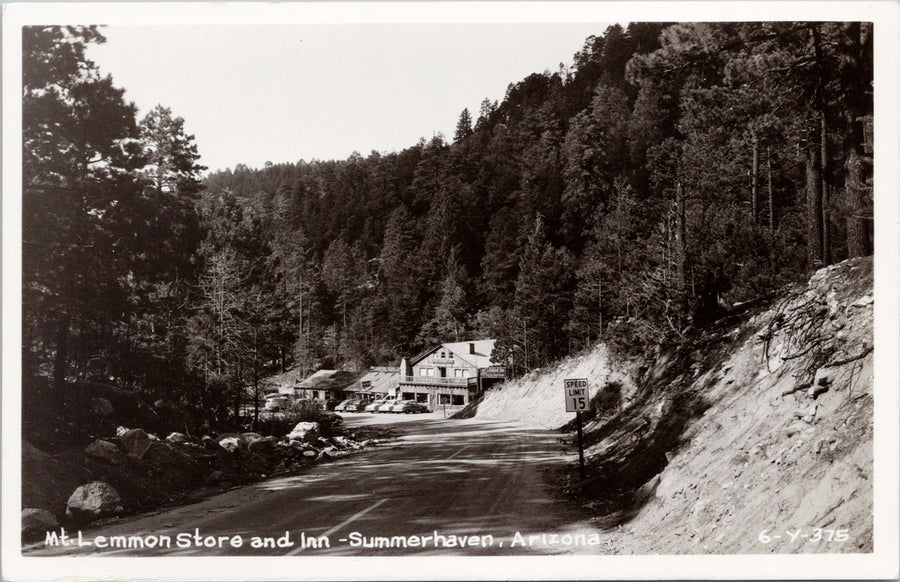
x,y
409,407
349,405
276,402
375,405
358,406
386,407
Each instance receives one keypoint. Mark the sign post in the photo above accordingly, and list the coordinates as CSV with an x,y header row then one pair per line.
x,y
578,398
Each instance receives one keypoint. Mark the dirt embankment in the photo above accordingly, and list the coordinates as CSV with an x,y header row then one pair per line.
x,y
759,426
537,398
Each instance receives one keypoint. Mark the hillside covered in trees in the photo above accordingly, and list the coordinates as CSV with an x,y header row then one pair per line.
x,y
668,171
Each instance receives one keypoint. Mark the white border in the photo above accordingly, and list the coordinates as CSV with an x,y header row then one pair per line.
x,y
883,563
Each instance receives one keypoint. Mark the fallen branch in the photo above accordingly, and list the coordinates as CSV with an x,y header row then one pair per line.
x,y
862,355
797,388
803,353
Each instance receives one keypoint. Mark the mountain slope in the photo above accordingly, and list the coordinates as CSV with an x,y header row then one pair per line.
x,y
757,427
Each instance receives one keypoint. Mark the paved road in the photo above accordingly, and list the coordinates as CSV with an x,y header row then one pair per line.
x,y
446,487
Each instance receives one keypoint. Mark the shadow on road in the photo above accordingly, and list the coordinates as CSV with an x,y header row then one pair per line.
x,y
476,488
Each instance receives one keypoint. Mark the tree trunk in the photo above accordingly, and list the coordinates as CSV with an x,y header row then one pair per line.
x,y
754,182
826,202
815,241
820,194
680,244
61,359
858,244
255,378
525,342
856,191
771,195
600,308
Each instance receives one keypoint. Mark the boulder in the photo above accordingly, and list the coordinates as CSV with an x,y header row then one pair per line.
x,y
120,431
104,450
135,442
863,301
310,453
211,443
177,438
305,432
345,443
263,445
251,437
101,406
36,522
93,501
230,444
216,477
30,452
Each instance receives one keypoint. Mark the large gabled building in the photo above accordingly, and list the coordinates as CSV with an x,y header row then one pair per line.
x,y
450,374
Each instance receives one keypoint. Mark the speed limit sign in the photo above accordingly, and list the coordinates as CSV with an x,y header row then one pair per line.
x,y
577,394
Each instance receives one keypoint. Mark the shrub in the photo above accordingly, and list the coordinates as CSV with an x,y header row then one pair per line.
x,y
607,400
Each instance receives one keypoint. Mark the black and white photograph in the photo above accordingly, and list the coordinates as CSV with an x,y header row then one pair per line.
x,y
369,291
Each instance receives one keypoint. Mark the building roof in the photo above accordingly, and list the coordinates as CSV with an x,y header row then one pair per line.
x,y
314,380
480,359
331,380
380,382
289,382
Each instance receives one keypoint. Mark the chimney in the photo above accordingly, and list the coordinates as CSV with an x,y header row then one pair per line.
x,y
471,348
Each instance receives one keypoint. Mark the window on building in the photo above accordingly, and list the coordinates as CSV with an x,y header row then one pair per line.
x,y
444,398
458,400
422,397
459,373
408,396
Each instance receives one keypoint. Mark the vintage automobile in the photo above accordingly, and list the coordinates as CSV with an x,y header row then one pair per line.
x,y
408,407
276,402
377,404
350,405
381,405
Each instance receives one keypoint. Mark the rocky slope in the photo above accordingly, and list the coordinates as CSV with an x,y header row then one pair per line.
x,y
759,426
134,471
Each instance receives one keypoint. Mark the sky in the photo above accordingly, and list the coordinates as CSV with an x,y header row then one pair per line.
x,y
281,93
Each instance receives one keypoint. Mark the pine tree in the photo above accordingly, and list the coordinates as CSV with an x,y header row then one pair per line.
x,y
77,157
463,126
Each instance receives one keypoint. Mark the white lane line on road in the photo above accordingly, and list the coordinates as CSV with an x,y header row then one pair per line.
x,y
347,521
457,452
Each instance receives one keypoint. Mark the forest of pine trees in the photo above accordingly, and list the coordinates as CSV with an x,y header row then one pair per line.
x,y
669,171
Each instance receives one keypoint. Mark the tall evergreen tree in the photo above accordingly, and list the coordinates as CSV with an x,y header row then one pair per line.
x,y
79,150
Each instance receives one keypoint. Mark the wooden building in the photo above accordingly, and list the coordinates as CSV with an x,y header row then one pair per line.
x,y
378,382
449,375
